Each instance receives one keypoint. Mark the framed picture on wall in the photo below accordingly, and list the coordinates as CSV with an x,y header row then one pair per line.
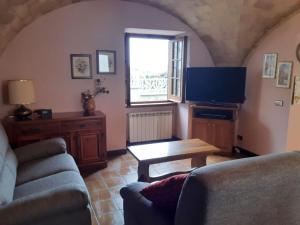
x,y
296,93
81,66
284,72
106,62
269,65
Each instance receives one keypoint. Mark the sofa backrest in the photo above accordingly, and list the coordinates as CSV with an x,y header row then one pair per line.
x,y
8,169
4,145
259,190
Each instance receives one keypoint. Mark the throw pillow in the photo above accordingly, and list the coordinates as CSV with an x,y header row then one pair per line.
x,y
165,193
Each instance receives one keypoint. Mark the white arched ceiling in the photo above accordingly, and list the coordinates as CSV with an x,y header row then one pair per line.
x,y
229,28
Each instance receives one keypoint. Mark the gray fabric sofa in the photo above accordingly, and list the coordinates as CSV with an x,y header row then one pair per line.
x,y
40,185
254,191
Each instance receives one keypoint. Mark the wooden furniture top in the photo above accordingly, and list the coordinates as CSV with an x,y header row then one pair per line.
x,y
173,150
230,108
60,116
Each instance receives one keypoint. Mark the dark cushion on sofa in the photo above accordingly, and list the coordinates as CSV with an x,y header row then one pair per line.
x,y
44,167
165,193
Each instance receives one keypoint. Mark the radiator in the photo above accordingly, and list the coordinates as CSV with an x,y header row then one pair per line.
x,y
149,126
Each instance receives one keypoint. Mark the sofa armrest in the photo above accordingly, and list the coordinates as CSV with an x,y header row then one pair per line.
x,y
41,149
43,205
140,211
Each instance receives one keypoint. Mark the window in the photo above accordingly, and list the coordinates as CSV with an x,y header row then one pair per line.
x,y
177,63
154,68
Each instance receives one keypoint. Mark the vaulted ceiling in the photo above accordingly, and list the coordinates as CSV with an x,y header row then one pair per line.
x,y
229,28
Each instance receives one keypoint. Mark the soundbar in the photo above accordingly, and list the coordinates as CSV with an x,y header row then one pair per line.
x,y
214,114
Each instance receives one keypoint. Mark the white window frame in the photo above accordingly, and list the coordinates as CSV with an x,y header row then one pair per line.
x,y
173,66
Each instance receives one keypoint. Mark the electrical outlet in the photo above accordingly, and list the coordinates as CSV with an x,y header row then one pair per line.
x,y
279,103
240,137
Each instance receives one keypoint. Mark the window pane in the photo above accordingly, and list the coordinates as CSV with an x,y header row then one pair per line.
x,y
148,69
180,49
178,85
175,50
174,88
179,69
174,71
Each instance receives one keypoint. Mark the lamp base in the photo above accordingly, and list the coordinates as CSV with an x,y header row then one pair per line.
x,y
22,113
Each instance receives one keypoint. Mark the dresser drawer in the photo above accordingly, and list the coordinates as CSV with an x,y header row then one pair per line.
x,y
82,125
37,129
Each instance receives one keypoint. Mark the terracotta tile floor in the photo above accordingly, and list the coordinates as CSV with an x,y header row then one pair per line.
x,y
104,185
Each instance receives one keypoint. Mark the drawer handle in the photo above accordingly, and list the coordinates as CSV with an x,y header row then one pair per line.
x,y
82,126
33,130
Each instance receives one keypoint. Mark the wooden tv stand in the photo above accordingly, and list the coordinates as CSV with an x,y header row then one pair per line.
x,y
219,132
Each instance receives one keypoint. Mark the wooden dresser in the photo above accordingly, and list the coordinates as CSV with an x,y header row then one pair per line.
x,y
85,135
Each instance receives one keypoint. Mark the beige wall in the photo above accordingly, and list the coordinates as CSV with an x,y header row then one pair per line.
x,y
293,141
267,128
41,52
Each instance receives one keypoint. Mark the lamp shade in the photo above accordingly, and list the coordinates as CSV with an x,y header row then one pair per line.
x,y
21,92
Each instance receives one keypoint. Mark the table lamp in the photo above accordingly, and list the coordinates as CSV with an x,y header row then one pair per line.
x,y
21,92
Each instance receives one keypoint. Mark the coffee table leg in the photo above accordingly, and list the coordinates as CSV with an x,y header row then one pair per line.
x,y
198,161
143,172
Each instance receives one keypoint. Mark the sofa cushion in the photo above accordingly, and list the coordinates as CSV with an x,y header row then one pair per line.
x,y
165,193
8,178
4,146
45,167
41,149
49,183
48,198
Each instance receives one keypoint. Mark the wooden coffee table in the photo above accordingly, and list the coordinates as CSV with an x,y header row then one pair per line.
x,y
149,154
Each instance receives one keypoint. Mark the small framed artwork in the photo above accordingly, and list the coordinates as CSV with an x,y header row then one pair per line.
x,y
296,94
269,66
81,66
106,62
284,72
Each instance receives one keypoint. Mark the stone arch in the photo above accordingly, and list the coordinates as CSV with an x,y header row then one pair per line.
x,y
229,28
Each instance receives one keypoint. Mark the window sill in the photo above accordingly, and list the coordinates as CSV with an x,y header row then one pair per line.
x,y
154,104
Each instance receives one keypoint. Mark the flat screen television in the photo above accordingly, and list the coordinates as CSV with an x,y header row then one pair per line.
x,y
216,85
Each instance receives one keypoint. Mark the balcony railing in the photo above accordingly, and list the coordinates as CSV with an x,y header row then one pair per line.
x,y
149,85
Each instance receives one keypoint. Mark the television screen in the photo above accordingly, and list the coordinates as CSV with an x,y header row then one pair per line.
x,y
216,84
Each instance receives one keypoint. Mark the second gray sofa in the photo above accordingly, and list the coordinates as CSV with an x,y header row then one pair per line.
x,y
254,191
40,185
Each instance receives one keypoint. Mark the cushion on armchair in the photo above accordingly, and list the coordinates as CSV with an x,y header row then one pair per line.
x,y
165,193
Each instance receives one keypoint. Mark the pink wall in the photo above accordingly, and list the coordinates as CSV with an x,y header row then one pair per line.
x,y
195,60
41,52
267,128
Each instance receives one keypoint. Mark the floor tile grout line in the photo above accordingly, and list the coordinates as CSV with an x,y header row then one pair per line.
x,y
95,214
